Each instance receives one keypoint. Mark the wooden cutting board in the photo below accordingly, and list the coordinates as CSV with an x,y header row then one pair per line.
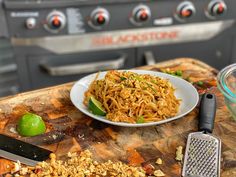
x,y
70,130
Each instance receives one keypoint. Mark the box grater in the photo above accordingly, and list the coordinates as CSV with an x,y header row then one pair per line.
x,y
202,154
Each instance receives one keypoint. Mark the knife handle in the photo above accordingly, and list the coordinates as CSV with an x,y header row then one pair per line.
x,y
207,113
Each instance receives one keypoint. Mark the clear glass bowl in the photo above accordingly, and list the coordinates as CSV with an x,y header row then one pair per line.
x,y
226,82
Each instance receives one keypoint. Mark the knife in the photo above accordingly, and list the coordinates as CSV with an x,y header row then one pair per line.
x,y
17,150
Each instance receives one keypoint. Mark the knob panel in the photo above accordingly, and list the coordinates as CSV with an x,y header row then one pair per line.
x,y
56,21
99,18
215,9
140,15
184,11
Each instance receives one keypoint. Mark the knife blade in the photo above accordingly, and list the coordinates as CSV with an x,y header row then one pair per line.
x,y
17,150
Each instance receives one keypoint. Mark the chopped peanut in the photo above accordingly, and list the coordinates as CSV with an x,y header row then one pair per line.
x,y
159,161
81,165
179,153
158,173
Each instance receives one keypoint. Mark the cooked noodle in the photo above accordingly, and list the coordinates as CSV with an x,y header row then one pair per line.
x,y
127,96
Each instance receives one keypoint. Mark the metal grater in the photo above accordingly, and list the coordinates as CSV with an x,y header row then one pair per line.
x,y
203,150
202,156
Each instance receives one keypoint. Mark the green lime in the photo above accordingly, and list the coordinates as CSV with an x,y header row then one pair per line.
x,y
31,125
140,120
96,107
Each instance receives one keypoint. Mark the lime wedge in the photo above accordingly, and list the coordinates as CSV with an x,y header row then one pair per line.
x,y
31,125
140,120
96,107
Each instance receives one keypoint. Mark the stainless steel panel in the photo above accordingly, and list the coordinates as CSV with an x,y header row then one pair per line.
x,y
127,38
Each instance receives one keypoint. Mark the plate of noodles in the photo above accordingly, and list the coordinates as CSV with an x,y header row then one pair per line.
x,y
134,98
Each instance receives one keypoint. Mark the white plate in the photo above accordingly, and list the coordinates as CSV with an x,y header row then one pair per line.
x,y
184,91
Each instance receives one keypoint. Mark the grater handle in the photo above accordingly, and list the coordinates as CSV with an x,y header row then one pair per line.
x,y
207,113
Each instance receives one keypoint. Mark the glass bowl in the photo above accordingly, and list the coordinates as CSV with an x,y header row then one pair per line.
x,y
226,82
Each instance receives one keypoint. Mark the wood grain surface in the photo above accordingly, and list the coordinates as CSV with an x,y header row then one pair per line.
x,y
70,130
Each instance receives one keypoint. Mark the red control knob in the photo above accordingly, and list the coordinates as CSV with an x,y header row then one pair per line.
x,y
140,15
216,8
186,13
220,8
56,21
99,18
185,10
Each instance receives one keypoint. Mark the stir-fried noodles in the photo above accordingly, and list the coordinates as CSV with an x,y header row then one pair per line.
x,y
134,98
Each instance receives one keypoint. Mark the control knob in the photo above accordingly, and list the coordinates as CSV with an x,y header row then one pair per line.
x,y
30,23
216,8
56,21
99,18
140,15
185,10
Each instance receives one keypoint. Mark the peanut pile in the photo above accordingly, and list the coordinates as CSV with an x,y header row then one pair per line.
x,y
80,166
